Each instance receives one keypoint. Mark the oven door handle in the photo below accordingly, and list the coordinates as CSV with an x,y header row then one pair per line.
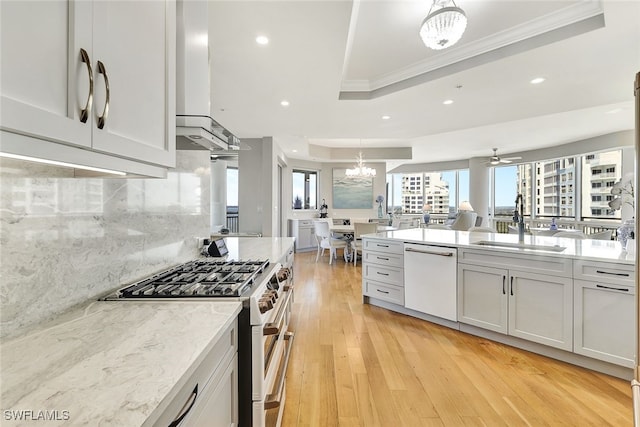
x,y
273,400
273,328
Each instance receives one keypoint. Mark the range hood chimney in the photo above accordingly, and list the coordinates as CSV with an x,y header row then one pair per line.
x,y
195,129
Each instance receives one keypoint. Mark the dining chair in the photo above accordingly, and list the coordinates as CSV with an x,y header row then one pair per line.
x,y
360,228
571,234
326,241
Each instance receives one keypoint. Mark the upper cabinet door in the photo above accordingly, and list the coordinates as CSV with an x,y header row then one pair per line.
x,y
134,56
44,82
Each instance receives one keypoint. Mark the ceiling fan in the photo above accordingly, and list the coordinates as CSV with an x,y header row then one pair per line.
x,y
496,160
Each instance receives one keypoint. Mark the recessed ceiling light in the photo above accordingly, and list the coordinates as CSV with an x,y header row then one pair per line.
x,y
448,102
294,151
284,103
385,117
262,40
537,80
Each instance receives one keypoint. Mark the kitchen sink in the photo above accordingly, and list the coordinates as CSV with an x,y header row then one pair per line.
x,y
554,248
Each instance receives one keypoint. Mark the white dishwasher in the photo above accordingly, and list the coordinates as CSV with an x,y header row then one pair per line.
x,y
430,280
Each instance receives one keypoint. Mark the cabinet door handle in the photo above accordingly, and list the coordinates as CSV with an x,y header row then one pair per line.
x,y
511,285
192,399
103,118
504,279
612,288
612,274
84,113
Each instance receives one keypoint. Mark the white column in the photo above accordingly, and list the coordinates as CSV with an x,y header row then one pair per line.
x,y
479,187
218,194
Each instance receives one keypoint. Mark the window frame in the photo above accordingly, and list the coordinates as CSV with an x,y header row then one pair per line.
x,y
307,190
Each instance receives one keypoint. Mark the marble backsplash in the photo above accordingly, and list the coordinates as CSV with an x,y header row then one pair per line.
x,y
66,240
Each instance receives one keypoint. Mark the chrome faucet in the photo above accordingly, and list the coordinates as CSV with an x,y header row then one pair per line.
x,y
518,217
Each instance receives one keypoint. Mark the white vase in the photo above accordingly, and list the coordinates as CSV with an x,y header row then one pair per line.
x,y
625,231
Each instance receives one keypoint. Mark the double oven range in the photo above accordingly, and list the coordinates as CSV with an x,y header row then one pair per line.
x,y
264,341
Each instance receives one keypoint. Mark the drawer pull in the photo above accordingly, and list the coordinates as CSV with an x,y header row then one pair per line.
x,y
382,274
612,274
382,246
612,288
382,258
447,254
192,398
382,292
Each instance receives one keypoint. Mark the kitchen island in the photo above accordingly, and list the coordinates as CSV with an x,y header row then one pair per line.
x,y
570,299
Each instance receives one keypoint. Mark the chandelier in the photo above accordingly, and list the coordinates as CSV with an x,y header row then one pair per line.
x,y
360,170
443,27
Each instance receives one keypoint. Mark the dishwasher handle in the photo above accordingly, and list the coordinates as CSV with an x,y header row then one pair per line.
x,y
447,254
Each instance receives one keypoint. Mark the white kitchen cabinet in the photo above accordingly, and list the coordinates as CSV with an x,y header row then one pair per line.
x,y
217,405
303,231
604,318
482,297
382,271
209,397
517,299
541,308
68,53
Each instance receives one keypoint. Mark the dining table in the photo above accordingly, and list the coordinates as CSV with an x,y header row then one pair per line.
x,y
347,231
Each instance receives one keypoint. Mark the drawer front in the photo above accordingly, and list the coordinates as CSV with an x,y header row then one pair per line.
x,y
386,246
383,274
607,272
214,362
384,259
305,223
530,263
383,291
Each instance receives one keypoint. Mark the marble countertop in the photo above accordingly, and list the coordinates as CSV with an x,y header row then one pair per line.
x,y
108,363
595,250
273,248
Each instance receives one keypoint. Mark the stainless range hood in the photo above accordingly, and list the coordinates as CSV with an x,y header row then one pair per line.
x,y
195,129
203,133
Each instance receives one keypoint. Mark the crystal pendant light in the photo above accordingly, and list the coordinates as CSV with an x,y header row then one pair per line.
x,y
360,170
443,27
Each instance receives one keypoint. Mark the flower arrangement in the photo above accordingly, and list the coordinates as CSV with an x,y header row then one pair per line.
x,y
380,200
623,192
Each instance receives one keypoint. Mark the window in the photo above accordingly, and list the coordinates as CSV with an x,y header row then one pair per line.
x,y
305,189
596,188
509,182
443,191
555,199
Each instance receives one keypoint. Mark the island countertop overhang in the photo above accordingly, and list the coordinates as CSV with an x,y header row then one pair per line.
x,y
581,249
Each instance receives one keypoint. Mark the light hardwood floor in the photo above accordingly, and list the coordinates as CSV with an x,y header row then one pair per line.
x,y
358,365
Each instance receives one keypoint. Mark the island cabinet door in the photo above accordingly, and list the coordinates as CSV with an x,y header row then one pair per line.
x,y
604,321
482,297
541,309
